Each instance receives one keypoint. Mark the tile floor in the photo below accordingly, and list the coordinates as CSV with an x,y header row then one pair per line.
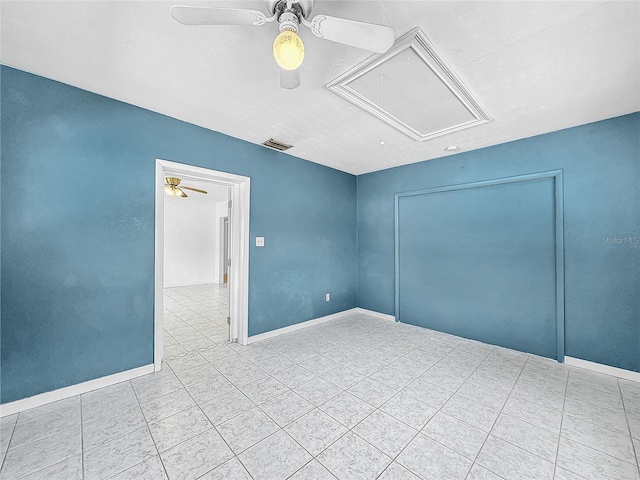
x,y
195,317
355,398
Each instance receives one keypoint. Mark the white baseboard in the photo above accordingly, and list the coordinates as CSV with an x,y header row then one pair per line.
x,y
371,313
191,284
298,326
72,390
600,368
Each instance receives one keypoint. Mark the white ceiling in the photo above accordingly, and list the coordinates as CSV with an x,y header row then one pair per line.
x,y
535,67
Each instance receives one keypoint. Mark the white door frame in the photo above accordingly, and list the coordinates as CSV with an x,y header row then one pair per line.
x,y
222,239
238,271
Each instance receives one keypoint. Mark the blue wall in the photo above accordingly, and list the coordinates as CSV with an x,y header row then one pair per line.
x,y
501,289
601,163
77,212
77,207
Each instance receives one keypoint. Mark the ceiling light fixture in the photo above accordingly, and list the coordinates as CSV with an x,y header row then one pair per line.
x,y
288,49
174,191
452,148
173,187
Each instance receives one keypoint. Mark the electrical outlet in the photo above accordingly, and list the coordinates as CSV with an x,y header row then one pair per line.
x,y
259,241
327,297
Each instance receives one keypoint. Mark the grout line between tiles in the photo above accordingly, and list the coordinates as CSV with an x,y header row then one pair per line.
x,y
149,431
81,441
626,417
363,347
494,424
440,408
6,453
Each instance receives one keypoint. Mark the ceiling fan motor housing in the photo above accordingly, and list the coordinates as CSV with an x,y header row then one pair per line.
x,y
289,21
300,7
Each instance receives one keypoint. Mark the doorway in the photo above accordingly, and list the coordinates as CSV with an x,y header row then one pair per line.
x,y
196,306
236,288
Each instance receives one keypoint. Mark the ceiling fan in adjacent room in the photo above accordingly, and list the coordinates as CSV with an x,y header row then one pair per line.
x,y
173,188
288,48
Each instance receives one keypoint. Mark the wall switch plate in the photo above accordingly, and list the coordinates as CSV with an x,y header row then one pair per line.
x,y
327,297
259,241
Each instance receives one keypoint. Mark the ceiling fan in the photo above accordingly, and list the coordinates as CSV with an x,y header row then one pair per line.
x,y
288,48
173,188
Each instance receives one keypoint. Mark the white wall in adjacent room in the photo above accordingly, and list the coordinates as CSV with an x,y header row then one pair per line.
x,y
191,237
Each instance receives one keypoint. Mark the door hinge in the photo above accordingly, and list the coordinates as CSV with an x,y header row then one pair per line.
x,y
228,320
230,202
229,262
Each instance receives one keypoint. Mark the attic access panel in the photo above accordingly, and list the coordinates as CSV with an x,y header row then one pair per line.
x,y
410,88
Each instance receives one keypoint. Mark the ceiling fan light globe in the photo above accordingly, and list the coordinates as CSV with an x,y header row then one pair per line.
x,y
288,50
172,190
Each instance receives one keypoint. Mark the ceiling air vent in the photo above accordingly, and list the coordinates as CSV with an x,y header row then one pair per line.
x,y
276,145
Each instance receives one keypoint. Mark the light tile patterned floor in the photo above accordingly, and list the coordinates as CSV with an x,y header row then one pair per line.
x,y
195,318
356,398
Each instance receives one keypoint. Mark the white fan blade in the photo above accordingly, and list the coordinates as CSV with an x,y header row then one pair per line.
x,y
368,36
216,16
289,79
